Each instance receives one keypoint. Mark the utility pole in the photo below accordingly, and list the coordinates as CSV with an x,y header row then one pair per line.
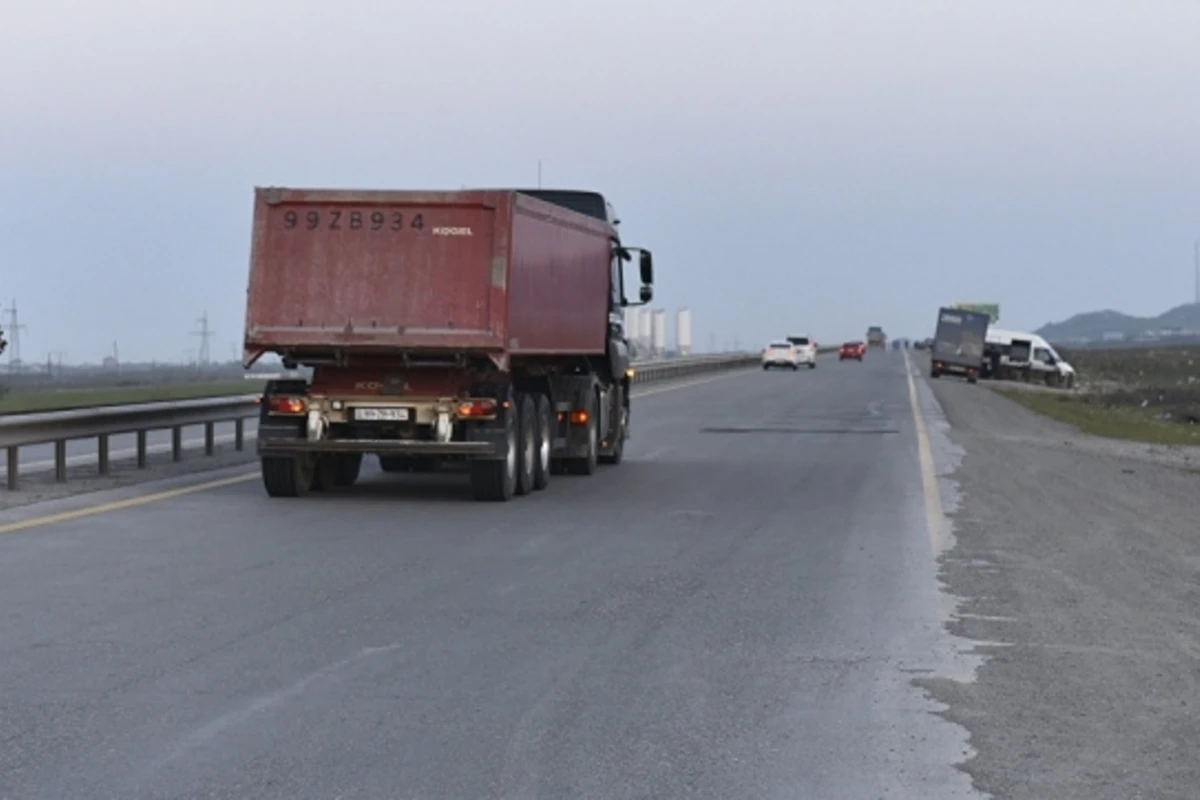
x,y
539,173
205,334
14,346
1197,257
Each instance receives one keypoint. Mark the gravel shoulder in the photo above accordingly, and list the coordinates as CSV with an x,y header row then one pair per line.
x,y
1076,562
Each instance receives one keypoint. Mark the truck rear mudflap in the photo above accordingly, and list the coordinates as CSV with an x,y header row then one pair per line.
x,y
284,446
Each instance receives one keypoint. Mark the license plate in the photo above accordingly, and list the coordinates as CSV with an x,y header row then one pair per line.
x,y
381,414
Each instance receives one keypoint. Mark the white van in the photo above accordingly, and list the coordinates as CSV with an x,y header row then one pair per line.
x,y
1022,352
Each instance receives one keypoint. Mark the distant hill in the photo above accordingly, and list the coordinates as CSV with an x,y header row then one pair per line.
x,y
1095,325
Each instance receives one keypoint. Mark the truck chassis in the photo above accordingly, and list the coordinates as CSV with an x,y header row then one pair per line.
x,y
513,430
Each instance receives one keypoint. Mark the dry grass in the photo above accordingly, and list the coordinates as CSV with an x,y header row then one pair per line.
x,y
1149,394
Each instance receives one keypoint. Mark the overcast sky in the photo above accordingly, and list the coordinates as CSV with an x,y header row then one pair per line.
x,y
795,166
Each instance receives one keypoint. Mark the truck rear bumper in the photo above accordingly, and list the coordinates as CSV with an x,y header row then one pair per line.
x,y
388,446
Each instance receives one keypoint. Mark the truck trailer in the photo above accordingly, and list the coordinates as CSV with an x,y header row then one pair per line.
x,y
483,326
958,343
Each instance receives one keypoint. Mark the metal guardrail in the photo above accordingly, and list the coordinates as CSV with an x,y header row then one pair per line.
x,y
103,422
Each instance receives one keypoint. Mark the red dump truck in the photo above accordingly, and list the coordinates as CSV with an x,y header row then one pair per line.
x,y
483,326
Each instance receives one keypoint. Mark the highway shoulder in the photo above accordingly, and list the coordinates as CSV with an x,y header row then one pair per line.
x,y
1075,562
62,509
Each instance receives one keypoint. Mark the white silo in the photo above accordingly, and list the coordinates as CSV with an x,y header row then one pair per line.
x,y
645,331
683,331
659,344
632,323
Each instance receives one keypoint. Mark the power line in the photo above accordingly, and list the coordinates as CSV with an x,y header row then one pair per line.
x,y
15,326
205,334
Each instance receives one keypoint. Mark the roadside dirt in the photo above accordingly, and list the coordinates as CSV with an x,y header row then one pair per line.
x,y
1079,563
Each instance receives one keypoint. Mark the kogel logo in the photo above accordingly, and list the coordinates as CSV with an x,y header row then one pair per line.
x,y
452,232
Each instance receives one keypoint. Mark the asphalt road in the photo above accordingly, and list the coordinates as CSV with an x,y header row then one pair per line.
x,y
737,611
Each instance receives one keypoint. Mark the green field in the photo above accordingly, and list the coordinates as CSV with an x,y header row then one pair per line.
x,y
1093,414
1145,394
1139,366
23,402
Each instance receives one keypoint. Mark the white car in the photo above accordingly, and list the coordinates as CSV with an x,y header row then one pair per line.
x,y
781,354
806,350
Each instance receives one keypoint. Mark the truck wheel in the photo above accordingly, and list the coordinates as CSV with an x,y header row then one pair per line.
x,y
348,467
544,425
288,476
527,451
618,451
325,473
495,479
812,365
587,464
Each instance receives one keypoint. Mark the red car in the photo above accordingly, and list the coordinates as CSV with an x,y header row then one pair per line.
x,y
853,350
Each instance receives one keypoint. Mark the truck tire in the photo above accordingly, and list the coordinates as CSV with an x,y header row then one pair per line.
x,y
349,465
812,365
527,451
544,423
617,454
288,476
495,479
587,464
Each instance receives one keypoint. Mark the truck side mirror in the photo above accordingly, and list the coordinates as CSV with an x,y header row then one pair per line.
x,y
646,265
647,293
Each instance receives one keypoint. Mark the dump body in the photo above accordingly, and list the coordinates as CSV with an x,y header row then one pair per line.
x,y
958,342
478,326
491,272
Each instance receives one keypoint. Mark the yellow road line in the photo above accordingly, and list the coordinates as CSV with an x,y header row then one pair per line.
x,y
118,505
933,497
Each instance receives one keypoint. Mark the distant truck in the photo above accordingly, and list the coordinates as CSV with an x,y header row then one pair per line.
x,y
483,326
958,343
876,337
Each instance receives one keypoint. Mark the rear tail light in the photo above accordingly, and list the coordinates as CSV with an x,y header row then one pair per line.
x,y
478,407
285,404
579,417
